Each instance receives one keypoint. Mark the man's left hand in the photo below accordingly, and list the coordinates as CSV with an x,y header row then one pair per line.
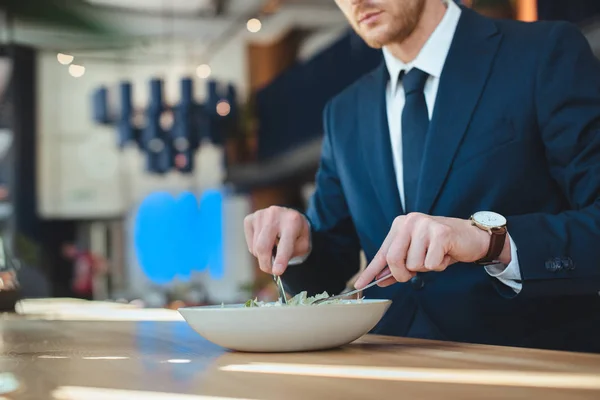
x,y
422,243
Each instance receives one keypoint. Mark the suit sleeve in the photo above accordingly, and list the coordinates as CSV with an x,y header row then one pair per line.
x,y
335,254
560,254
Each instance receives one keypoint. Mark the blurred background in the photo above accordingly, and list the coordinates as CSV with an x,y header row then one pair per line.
x,y
135,135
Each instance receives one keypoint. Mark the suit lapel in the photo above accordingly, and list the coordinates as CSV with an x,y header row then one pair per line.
x,y
375,142
462,81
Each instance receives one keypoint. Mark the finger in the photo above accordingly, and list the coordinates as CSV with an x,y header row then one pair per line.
x,y
415,257
419,241
397,254
285,248
249,232
302,242
436,257
264,246
377,265
386,271
388,282
257,225
446,262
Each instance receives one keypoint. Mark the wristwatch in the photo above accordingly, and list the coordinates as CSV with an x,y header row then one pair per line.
x,y
494,224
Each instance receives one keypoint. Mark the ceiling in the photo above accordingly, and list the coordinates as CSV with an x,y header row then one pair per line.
x,y
134,21
143,30
178,7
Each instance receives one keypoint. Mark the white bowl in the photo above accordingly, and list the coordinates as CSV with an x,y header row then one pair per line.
x,y
285,328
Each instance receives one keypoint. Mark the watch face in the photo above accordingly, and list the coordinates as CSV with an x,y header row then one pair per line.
x,y
489,219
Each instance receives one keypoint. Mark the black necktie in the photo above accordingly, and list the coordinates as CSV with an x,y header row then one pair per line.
x,y
415,122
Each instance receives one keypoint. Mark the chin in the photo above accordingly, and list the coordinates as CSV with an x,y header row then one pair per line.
x,y
375,41
376,36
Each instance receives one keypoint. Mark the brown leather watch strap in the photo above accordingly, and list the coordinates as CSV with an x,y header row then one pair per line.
x,y
497,239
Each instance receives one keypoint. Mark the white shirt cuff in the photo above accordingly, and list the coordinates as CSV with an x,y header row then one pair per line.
x,y
508,274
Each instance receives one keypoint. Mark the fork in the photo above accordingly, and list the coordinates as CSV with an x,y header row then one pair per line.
x,y
350,293
280,288
277,279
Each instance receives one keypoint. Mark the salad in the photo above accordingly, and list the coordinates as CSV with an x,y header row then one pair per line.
x,y
301,299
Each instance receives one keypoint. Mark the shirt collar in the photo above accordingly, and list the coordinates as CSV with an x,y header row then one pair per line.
x,y
433,55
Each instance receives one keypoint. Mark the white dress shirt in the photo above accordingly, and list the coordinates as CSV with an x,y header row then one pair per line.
x,y
431,60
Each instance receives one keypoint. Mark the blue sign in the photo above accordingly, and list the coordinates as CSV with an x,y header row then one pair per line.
x,y
175,236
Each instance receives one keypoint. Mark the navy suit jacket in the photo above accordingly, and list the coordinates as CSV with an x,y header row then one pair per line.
x,y
516,130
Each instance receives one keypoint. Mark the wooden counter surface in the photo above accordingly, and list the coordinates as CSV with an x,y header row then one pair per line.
x,y
168,361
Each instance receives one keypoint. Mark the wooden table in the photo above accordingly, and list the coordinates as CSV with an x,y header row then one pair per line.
x,y
168,361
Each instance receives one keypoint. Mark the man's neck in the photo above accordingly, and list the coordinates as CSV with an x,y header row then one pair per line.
x,y
407,50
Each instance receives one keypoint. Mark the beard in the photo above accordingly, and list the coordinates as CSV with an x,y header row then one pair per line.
x,y
396,25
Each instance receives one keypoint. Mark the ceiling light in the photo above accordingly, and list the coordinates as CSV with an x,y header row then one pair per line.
x,y
76,71
254,25
64,59
166,120
203,71
223,108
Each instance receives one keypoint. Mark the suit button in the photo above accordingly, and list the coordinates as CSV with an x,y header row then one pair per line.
x,y
554,264
567,263
417,282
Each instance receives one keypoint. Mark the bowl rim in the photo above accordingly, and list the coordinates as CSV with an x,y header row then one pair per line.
x,y
239,306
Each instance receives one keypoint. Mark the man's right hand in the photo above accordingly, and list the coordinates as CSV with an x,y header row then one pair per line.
x,y
277,226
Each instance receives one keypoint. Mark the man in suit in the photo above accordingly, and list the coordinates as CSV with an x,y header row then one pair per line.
x,y
468,166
